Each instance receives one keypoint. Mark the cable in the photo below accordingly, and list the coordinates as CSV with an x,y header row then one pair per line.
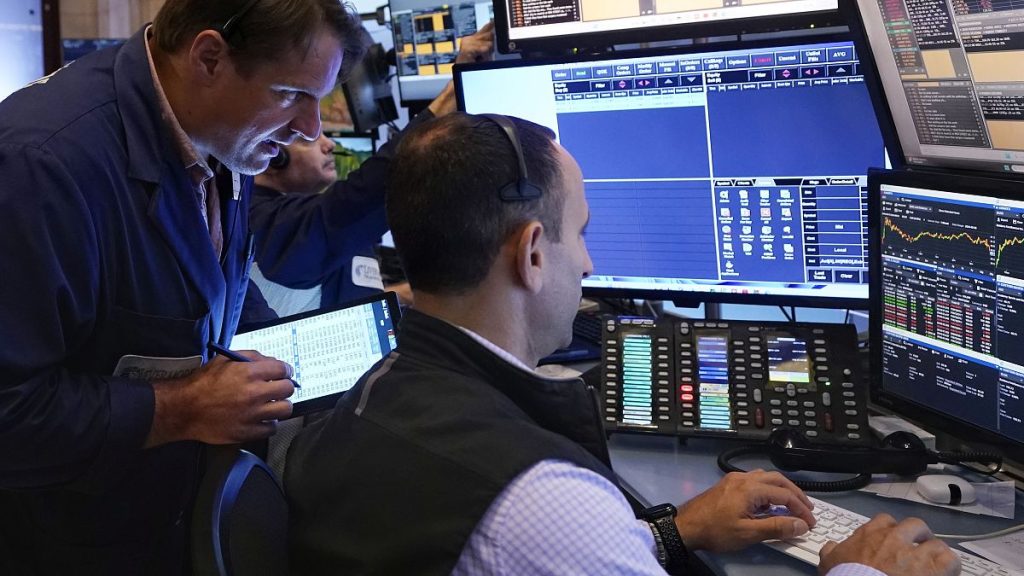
x,y
617,305
995,534
987,472
789,318
986,458
857,482
654,313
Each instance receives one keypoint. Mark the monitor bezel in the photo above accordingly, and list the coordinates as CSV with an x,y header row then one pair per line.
x,y
690,30
302,408
681,297
947,181
883,111
418,100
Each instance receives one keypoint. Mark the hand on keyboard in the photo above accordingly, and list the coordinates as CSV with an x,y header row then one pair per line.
x,y
724,518
906,548
898,549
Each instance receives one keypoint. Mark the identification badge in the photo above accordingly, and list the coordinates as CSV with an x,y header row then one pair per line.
x,y
156,368
366,272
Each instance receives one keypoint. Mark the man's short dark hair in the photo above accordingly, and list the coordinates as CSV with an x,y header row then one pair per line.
x,y
266,31
443,206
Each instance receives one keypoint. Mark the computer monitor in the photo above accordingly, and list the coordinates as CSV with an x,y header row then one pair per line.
x,y
23,44
950,81
350,151
74,48
546,25
427,37
948,303
728,174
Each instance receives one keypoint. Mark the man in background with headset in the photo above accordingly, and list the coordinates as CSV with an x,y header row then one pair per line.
x,y
454,456
310,241
124,196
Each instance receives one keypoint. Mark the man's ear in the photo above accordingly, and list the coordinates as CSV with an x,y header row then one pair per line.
x,y
208,57
529,257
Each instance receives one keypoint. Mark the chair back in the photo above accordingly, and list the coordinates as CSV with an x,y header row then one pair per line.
x,y
240,520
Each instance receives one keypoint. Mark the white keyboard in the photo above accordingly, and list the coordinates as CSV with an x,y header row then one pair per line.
x,y
835,523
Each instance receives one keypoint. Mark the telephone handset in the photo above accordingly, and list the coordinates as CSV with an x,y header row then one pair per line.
x,y
900,453
733,379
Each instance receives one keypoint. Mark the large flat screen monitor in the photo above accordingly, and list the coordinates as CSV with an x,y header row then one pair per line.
x,y
950,77
948,303
541,25
427,37
736,174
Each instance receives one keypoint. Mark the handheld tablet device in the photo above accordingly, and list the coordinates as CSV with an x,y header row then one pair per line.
x,y
329,349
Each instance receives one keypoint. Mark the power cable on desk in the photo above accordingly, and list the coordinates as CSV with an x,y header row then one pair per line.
x,y
995,534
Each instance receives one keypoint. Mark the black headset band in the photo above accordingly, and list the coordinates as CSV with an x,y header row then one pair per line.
x,y
520,189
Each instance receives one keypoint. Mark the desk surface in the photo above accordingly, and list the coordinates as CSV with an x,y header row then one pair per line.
x,y
662,469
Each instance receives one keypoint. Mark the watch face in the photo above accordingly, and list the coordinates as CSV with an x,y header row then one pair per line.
x,y
660,511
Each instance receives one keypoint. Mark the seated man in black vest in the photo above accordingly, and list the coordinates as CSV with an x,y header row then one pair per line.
x,y
453,456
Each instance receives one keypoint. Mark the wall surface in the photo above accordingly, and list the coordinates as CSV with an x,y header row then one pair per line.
x,y
105,18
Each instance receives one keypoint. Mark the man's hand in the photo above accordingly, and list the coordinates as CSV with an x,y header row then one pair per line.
x,y
224,402
726,517
477,47
904,549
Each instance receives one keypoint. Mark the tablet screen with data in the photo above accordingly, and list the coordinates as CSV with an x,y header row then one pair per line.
x,y
329,350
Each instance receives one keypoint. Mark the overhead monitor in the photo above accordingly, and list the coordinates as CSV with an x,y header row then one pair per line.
x,y
950,76
427,37
732,174
544,25
948,303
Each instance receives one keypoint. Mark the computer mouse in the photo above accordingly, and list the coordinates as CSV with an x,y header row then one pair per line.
x,y
945,489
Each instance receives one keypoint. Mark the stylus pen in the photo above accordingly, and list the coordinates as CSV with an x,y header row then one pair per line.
x,y
232,355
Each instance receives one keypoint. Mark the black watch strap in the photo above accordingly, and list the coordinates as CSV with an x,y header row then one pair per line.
x,y
663,518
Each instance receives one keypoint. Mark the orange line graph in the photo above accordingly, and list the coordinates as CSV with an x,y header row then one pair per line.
x,y
977,240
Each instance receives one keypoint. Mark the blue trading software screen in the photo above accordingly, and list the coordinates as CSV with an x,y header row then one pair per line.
x,y
731,174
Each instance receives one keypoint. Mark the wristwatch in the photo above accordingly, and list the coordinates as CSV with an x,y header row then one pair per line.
x,y
662,519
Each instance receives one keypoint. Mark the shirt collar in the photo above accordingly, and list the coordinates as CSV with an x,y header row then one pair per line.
x,y
498,351
198,170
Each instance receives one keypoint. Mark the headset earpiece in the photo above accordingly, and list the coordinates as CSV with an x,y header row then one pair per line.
x,y
280,162
520,189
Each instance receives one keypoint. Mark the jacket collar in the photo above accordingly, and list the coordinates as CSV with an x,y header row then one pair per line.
x,y
564,406
147,137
